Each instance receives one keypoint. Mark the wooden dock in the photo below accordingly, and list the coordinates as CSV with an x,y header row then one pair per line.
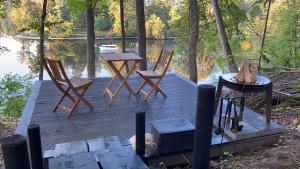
x,y
118,119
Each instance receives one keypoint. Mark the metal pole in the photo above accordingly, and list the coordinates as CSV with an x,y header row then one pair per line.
x,y
140,134
15,153
35,146
204,125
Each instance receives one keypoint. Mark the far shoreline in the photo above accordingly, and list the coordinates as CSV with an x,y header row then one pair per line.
x,y
80,37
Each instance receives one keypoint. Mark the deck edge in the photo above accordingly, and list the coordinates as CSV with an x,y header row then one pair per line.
x,y
238,146
28,109
184,79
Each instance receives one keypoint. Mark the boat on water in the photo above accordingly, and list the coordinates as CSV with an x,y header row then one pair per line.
x,y
108,48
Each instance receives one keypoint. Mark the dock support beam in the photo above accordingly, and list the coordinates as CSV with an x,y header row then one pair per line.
x,y
15,153
35,146
204,124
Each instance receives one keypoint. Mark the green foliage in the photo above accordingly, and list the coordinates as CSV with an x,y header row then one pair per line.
x,y
155,27
77,7
233,15
14,90
179,20
283,44
26,15
129,17
4,7
159,8
244,22
103,20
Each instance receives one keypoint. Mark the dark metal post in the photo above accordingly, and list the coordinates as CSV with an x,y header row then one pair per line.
x,y
15,153
35,146
140,134
204,124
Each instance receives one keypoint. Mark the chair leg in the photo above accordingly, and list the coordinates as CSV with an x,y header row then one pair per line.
x,y
141,87
148,94
73,107
86,102
61,99
155,86
81,98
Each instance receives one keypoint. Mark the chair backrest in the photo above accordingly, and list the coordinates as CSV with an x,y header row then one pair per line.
x,y
56,71
163,61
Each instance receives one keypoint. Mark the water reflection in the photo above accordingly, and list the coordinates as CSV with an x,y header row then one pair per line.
x,y
74,57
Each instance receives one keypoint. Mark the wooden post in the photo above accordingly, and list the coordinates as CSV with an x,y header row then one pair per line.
x,y
15,153
35,146
140,134
204,124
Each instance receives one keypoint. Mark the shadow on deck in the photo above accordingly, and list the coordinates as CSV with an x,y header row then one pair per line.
x,y
118,119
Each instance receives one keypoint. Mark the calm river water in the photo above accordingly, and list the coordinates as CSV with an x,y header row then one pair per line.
x,y
21,57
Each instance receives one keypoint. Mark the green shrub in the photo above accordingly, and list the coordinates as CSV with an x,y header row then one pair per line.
x,y
14,90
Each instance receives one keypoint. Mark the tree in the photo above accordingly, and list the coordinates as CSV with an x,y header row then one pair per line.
x,y
223,37
129,17
193,39
90,34
122,24
42,38
264,34
140,18
77,7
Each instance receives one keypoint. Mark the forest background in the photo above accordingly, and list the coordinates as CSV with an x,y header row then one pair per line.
x,y
244,22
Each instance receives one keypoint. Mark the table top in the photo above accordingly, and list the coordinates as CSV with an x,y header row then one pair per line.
x,y
121,57
260,80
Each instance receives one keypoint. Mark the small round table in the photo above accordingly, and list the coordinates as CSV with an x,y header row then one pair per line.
x,y
262,84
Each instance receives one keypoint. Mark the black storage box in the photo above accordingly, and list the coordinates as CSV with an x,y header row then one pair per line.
x,y
173,134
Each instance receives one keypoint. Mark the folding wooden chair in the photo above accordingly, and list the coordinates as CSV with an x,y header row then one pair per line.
x,y
78,86
157,73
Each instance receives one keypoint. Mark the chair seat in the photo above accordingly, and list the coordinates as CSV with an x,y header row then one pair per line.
x,y
149,73
79,82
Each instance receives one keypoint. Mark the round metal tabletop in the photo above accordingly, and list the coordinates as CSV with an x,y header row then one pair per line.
x,y
260,80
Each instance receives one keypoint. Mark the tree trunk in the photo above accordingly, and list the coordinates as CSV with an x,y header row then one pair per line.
x,y
122,24
223,37
90,39
264,35
123,31
140,18
193,39
42,39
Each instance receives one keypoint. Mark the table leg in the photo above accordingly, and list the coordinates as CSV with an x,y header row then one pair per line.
x,y
269,103
218,93
242,107
123,79
113,79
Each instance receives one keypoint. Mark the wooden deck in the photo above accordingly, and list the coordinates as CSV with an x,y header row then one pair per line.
x,y
118,119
